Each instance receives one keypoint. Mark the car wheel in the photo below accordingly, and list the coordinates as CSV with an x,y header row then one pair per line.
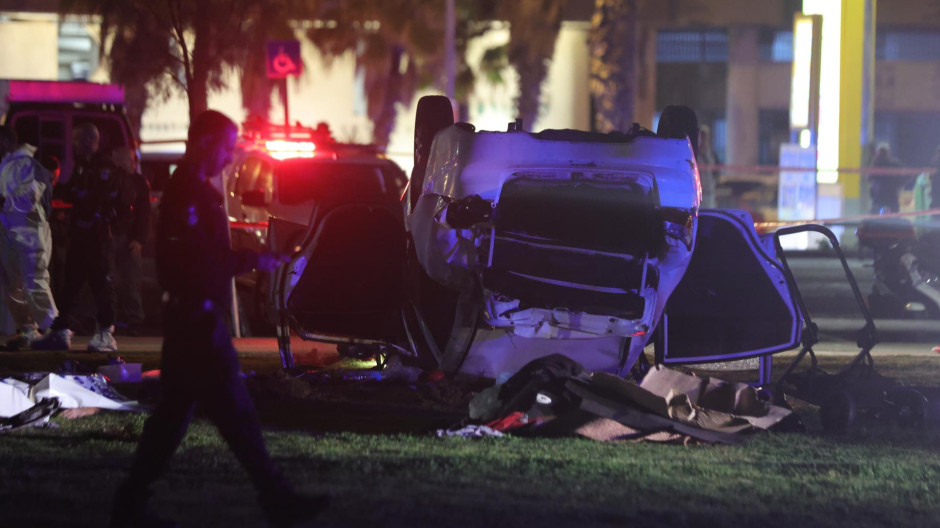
x,y
911,407
434,114
679,122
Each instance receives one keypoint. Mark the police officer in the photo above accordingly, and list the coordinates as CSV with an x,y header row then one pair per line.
x,y
195,265
93,192
129,232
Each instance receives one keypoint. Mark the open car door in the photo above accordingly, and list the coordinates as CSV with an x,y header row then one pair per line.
x,y
345,280
733,302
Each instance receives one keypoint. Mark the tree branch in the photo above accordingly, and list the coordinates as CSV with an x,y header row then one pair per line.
x,y
179,33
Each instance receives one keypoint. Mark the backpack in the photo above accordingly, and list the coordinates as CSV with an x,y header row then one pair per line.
x,y
537,389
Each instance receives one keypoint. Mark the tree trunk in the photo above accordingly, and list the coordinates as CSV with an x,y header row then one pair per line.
x,y
198,88
135,100
534,26
256,87
385,113
612,41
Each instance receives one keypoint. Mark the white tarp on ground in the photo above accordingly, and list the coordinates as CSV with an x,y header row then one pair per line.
x,y
72,392
14,397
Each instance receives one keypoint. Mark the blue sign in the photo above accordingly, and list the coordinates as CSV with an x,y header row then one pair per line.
x,y
796,197
283,59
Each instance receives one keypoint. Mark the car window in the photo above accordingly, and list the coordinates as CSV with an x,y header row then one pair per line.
x,y
304,180
46,133
254,174
26,125
157,172
396,179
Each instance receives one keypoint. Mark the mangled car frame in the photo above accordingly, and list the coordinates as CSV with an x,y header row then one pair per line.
x,y
513,245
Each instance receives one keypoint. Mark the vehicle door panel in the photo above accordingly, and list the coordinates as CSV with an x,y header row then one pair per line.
x,y
733,301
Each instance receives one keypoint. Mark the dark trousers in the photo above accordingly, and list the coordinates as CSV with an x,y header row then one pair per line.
x,y
885,194
88,260
126,274
200,366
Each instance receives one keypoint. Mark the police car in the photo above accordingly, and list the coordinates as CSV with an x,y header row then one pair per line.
x,y
280,176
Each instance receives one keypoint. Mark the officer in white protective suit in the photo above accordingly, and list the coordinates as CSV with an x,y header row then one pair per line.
x,y
26,240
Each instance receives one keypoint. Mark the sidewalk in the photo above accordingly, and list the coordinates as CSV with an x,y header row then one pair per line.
x,y
261,346
891,332
846,348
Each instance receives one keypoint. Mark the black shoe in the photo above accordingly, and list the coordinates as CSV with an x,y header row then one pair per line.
x,y
130,510
22,340
16,344
288,508
53,340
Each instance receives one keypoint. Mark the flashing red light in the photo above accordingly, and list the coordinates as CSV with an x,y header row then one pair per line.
x,y
285,149
640,333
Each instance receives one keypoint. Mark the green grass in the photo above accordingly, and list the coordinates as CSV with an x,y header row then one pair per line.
x,y
874,476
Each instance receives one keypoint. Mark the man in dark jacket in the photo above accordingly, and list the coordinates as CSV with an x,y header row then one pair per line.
x,y
195,266
129,232
93,192
886,186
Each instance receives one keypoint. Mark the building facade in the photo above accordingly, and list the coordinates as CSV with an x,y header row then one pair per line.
x,y
728,59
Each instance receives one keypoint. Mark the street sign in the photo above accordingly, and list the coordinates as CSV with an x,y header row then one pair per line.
x,y
283,59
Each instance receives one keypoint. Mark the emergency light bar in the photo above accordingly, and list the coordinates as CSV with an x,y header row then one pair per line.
x,y
64,92
282,149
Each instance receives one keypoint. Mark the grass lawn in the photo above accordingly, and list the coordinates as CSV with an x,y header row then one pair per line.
x,y
396,473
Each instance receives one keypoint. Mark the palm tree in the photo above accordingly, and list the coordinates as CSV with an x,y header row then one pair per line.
x,y
136,59
272,22
187,43
533,30
612,41
397,45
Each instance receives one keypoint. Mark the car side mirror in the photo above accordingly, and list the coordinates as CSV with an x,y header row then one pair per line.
x,y
254,198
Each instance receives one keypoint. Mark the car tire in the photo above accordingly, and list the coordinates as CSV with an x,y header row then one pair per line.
x,y
434,114
910,406
679,122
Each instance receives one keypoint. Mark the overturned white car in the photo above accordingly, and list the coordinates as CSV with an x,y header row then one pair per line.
x,y
509,246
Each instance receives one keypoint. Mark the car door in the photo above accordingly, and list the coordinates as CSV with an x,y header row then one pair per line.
x,y
733,301
345,280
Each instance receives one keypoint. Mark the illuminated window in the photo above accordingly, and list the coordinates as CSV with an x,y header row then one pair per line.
x,y
254,174
901,45
692,46
78,51
776,45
